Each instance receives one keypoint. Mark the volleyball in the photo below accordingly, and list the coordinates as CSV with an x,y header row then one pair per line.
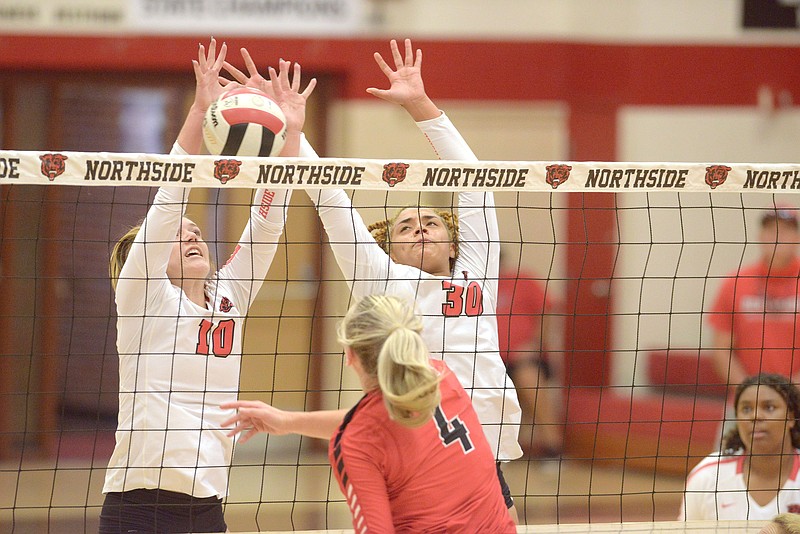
x,y
244,122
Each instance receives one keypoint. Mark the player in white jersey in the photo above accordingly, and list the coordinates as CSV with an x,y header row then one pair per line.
x,y
448,271
758,474
179,338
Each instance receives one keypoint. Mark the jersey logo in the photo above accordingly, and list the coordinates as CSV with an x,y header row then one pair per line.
x,y
394,173
716,175
793,508
225,305
557,174
53,165
226,170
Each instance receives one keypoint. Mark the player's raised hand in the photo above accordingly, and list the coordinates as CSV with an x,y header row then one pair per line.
x,y
406,87
207,68
252,78
286,91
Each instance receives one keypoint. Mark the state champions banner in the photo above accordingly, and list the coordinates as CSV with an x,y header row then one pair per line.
x,y
149,170
182,17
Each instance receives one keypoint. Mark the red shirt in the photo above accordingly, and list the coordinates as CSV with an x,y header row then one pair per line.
x,y
521,302
440,477
759,306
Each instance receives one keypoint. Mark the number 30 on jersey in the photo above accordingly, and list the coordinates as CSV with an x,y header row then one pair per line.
x,y
461,300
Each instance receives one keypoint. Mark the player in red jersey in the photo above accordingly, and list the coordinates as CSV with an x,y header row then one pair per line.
x,y
410,456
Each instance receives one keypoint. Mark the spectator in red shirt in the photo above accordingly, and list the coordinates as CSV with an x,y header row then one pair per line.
x,y
755,315
525,324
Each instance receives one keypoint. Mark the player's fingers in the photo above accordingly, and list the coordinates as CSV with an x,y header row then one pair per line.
x,y
212,50
296,76
310,88
398,59
245,437
197,72
283,74
201,54
385,68
249,63
238,75
380,93
220,60
276,81
418,59
231,423
409,57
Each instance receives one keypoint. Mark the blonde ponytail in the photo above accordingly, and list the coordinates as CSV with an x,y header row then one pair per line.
x,y
385,335
120,253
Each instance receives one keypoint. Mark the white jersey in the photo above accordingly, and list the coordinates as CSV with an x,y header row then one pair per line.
x,y
715,489
179,361
458,311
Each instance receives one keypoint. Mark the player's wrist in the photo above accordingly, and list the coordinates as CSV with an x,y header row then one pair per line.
x,y
422,108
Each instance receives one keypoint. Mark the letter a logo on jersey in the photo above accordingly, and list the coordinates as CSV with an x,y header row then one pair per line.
x,y
226,170
394,173
557,174
716,175
53,165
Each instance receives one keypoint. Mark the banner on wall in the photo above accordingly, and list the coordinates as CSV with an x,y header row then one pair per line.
x,y
179,17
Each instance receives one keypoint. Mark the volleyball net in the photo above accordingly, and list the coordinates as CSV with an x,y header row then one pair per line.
x,y
629,258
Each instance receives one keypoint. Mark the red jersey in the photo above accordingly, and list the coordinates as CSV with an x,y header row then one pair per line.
x,y
521,302
759,306
440,477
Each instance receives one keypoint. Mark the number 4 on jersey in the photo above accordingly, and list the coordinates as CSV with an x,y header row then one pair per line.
x,y
452,430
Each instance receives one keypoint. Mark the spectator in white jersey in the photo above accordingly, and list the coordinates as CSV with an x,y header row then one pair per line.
x,y
447,264
179,337
757,474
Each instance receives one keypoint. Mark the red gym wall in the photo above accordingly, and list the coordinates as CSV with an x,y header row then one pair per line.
x,y
594,80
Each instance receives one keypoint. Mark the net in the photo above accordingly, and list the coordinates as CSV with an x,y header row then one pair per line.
x,y
628,259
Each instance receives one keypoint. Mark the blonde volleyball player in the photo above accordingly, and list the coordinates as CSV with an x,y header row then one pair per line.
x,y
448,268
757,475
179,338
410,456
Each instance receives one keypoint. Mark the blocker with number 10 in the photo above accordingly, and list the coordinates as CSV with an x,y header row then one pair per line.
x,y
244,122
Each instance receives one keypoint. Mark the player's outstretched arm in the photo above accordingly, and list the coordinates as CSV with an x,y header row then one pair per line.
x,y
253,417
406,88
208,88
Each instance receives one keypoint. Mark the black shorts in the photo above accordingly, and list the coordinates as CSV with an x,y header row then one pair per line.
x,y
157,510
504,487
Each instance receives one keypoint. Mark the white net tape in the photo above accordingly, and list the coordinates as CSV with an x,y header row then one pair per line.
x,y
81,168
